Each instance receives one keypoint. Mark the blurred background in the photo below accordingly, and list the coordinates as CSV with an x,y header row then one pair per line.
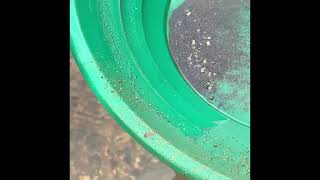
x,y
99,148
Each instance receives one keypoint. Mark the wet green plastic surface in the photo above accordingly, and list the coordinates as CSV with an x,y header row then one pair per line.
x,y
122,51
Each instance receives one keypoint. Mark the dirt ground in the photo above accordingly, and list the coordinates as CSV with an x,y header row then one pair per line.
x,y
99,148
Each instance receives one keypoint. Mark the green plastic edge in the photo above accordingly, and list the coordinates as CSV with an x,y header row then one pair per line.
x,y
135,126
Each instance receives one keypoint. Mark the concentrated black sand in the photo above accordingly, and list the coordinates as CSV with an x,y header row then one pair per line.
x,y
210,43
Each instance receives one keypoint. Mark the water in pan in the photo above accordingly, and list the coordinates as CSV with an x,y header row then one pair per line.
x,y
210,42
